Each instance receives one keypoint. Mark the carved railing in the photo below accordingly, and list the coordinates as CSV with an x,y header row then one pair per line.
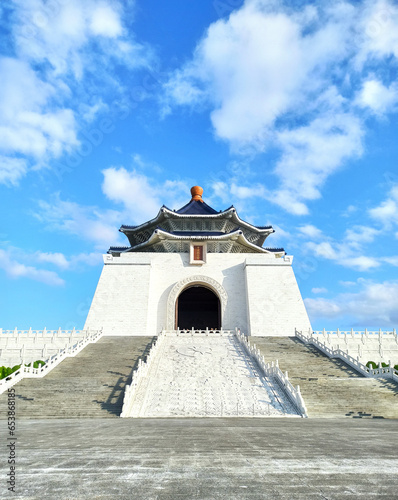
x,y
139,374
31,372
272,370
380,372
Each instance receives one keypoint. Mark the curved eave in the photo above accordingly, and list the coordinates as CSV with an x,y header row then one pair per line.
x,y
165,213
159,235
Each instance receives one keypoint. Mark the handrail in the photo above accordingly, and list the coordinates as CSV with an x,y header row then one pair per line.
x,y
273,370
139,374
54,360
380,372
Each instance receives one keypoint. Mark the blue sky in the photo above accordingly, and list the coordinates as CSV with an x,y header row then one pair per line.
x,y
288,110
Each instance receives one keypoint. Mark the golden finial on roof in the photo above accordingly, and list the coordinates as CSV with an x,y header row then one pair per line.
x,y
196,192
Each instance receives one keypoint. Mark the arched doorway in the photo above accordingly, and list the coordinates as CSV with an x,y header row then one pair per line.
x,y
198,307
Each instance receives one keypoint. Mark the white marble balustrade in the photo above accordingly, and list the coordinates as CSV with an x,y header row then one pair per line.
x,y
376,350
50,362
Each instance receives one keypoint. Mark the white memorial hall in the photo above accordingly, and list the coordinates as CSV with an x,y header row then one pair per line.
x,y
197,268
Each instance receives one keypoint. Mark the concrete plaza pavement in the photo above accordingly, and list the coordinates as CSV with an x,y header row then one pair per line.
x,y
203,458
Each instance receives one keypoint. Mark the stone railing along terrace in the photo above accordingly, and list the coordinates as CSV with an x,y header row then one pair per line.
x,y
86,337
272,369
319,340
32,345
367,345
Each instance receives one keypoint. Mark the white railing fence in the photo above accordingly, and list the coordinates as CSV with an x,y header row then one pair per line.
x,y
380,372
272,370
30,372
140,373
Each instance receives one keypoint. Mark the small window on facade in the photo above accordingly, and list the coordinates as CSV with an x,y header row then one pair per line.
x,y
198,252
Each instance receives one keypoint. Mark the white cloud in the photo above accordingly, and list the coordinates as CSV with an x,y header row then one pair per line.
x,y
15,270
67,263
313,152
140,195
358,235
11,170
347,251
311,231
375,304
379,98
59,77
322,308
343,255
27,125
348,283
57,258
377,28
391,260
105,21
88,223
244,192
289,81
387,212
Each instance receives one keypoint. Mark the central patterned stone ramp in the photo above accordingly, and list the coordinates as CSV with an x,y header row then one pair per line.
x,y
207,376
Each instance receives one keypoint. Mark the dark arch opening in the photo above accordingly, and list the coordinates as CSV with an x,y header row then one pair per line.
x,y
198,307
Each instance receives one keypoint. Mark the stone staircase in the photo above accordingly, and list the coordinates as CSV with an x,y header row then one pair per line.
x,y
330,388
203,375
89,385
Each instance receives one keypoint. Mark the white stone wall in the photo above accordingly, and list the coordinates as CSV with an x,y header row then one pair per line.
x,y
120,303
275,305
134,289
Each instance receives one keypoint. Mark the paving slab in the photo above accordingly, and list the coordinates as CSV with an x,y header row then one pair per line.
x,y
203,458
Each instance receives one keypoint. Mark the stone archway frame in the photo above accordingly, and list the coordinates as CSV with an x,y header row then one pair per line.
x,y
198,279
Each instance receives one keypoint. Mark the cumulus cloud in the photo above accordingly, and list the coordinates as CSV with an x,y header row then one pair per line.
x,y
311,231
387,212
140,195
347,251
57,76
375,305
11,170
15,269
86,222
377,97
294,83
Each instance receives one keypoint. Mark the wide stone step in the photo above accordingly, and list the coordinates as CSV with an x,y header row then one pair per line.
x,y
330,387
89,385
